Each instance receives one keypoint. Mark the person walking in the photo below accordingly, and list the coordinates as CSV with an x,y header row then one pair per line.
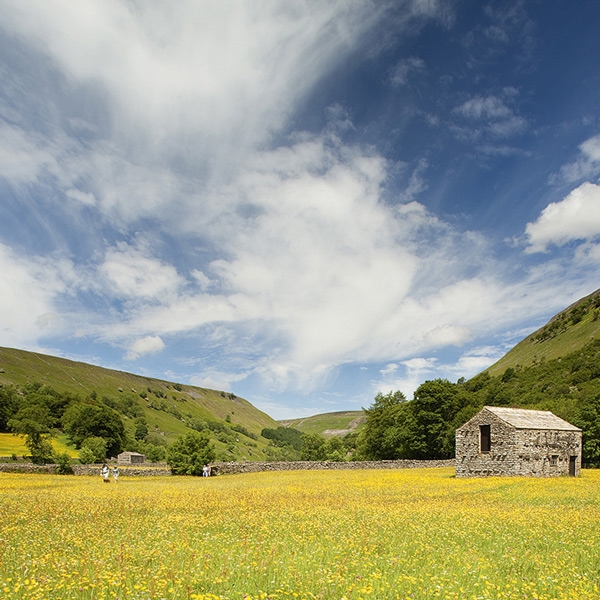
x,y
115,473
105,473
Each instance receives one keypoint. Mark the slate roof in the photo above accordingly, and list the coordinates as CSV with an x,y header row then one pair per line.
x,y
522,418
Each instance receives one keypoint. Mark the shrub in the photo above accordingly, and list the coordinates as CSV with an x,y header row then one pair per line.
x,y
63,461
86,456
97,448
188,454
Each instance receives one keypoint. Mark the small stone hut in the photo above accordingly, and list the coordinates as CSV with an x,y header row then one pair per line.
x,y
130,458
515,441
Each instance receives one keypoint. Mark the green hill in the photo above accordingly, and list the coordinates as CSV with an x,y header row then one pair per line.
x,y
567,332
329,424
170,409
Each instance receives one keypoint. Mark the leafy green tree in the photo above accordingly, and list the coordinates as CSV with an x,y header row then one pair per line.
x,y
334,449
82,421
63,460
153,453
283,436
313,447
141,428
9,405
94,448
589,421
188,454
37,394
30,421
434,408
197,424
86,456
384,435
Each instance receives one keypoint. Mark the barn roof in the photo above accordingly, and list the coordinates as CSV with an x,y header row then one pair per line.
x,y
522,418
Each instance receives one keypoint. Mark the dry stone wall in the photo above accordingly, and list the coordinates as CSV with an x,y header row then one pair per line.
x,y
223,468
226,468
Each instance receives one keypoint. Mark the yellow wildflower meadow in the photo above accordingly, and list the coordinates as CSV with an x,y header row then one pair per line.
x,y
314,534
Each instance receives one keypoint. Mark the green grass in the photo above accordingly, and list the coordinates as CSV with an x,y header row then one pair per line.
x,y
15,444
328,424
529,352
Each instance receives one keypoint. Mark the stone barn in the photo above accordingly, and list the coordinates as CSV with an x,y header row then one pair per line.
x,y
130,458
515,441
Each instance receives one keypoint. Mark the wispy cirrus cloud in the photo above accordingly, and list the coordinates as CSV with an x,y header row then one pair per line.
x,y
404,69
29,287
494,114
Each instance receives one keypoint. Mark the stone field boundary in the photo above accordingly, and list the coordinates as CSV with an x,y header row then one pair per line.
x,y
226,468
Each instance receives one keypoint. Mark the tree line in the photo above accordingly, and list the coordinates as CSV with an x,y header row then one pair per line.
x,y
396,428
423,428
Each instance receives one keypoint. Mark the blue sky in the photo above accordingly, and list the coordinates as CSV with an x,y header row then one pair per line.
x,y
304,203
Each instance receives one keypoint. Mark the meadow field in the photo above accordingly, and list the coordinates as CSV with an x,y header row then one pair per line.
x,y
15,444
374,534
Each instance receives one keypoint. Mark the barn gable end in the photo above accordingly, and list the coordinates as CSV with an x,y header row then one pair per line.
x,y
510,441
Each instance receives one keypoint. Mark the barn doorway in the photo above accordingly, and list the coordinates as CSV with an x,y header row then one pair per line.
x,y
572,465
485,438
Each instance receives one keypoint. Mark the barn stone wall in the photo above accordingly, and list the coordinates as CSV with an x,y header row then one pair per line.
x,y
525,452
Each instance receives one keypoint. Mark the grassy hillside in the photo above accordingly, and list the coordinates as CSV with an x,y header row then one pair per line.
x,y
329,424
15,444
565,333
169,408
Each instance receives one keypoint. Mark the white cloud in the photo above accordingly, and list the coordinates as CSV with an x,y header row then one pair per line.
x,y
389,369
23,156
196,67
404,68
407,381
416,183
576,217
498,117
215,379
587,164
419,364
86,198
475,361
481,108
133,274
316,270
146,345
28,291
293,252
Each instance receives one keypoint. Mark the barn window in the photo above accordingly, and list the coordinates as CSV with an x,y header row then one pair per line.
x,y
485,438
554,460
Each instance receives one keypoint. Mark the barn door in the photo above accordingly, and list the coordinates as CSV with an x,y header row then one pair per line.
x,y
572,465
485,438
